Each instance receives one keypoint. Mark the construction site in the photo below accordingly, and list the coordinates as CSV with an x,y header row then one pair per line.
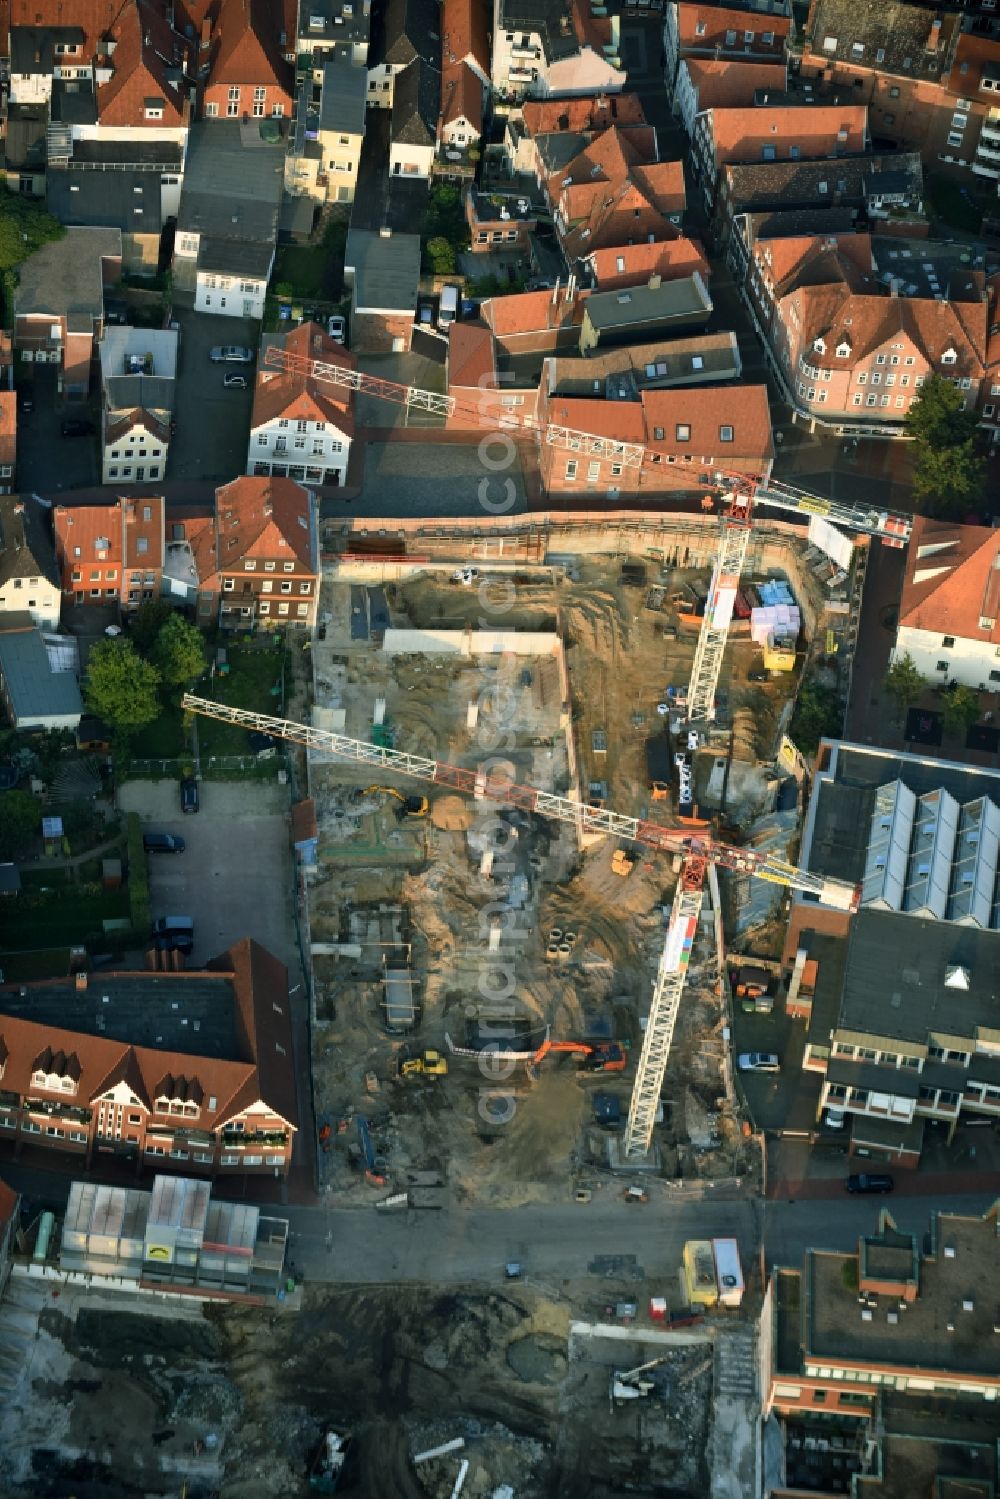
x,y
482,973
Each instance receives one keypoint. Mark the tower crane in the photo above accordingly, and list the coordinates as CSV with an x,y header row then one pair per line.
x,y
696,849
741,494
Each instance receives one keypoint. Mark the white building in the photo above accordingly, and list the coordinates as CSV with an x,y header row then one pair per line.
x,y
138,369
300,428
29,577
950,606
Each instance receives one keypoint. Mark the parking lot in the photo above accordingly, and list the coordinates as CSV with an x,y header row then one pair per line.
x,y
47,462
429,478
213,424
234,877
785,1100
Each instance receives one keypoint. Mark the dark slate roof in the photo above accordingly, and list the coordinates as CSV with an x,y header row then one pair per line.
x,y
781,225
811,184
105,200
33,48
24,139
236,257
546,18
416,104
404,29
73,103
25,548
344,98
167,154
232,188
129,392
893,35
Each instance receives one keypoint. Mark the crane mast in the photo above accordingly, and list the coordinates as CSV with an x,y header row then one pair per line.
x,y
697,851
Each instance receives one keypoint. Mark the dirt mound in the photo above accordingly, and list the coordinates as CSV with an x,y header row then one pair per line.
x,y
452,813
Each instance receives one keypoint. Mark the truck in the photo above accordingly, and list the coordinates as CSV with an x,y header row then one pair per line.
x,y
659,768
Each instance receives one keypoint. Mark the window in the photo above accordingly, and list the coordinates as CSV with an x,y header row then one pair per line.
x,y
947,641
725,434
269,567
941,666
949,357
282,608
571,469
857,50
700,29
266,586
767,153
682,432
211,111
894,92
286,587
305,588
767,37
289,567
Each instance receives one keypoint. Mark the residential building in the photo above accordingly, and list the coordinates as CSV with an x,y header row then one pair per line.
x,y
622,266
622,374
499,223
227,222
266,553
192,1070
854,337
301,428
465,73
472,377
897,1314
416,108
334,31
8,440
382,271
931,79
726,33
249,74
402,32
29,578
111,553
328,133
610,194
173,1239
24,147
786,132
949,613
714,83
680,431
138,370
577,119
59,303
39,687
659,307
102,186
536,322
554,51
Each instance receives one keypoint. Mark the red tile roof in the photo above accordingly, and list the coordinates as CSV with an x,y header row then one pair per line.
x,y
128,421
532,311
803,259
869,323
79,528
813,129
728,85
8,1203
259,517
632,265
608,194
972,54
621,420
461,96
704,411
471,356
246,47
955,583
594,112
144,52
465,34
138,528
293,395
304,825
8,426
717,21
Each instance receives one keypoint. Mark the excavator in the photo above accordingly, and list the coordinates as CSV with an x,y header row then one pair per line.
x,y
428,1064
409,806
600,1056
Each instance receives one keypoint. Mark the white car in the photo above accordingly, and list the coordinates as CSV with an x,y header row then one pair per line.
x,y
758,1061
231,354
337,328
466,575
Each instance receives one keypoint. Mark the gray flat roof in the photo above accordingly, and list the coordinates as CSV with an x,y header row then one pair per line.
x,y
685,297
64,276
151,392
386,270
894,980
105,199
238,257
344,99
142,1009
232,182
34,689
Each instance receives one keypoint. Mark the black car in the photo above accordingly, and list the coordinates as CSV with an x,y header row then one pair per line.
x,y
189,794
78,427
868,1182
162,843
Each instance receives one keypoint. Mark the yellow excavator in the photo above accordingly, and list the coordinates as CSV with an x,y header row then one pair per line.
x,y
428,1064
409,806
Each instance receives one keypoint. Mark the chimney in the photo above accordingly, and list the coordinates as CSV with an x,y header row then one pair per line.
x,y
935,35
555,291
894,287
81,983
655,281
206,35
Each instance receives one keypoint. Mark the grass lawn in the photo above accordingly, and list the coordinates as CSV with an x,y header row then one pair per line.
x,y
163,739
313,271
950,203
52,909
252,675
45,963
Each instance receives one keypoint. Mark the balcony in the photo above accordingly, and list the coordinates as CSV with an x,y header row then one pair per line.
x,y
254,1137
519,49
989,154
53,1110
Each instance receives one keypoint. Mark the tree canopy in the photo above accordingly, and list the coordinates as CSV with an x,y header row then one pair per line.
x,y
938,416
147,623
818,714
903,681
950,475
122,687
20,822
959,709
179,652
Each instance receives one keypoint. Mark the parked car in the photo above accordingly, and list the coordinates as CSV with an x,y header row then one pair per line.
x,y
78,426
162,843
870,1182
447,307
233,381
425,314
336,326
758,1061
834,1118
189,794
231,354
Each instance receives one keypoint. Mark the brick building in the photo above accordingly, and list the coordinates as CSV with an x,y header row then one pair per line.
x,y
111,553
301,428
109,1065
611,193
784,132
250,72
622,266
266,547
59,303
727,33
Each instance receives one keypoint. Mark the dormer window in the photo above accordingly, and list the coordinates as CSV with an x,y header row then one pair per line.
x,y
843,350
819,345
949,357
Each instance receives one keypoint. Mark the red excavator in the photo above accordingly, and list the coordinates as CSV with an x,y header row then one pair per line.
x,y
599,1056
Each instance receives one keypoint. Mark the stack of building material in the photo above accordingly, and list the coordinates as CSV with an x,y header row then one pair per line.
x,y
775,625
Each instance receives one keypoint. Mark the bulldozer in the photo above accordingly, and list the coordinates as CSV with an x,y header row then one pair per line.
x,y
409,806
596,1056
428,1064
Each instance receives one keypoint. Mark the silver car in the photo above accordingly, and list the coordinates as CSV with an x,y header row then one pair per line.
x,y
231,354
758,1061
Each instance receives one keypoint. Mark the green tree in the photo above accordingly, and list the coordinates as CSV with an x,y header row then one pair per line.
x,y
937,418
121,686
24,228
951,479
818,714
20,822
441,256
903,682
179,652
959,709
147,623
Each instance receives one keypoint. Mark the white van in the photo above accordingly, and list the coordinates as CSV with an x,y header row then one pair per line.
x,y
448,307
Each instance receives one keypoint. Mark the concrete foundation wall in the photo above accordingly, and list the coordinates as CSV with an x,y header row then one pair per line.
x,y
470,642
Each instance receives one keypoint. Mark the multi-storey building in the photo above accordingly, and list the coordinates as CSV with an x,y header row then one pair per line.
x,y
111,553
465,73
302,428
549,50
713,83
403,31
59,304
726,33
8,440
784,132
328,133
266,548
543,134
138,369
949,611
612,194
29,578
108,1066
251,58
